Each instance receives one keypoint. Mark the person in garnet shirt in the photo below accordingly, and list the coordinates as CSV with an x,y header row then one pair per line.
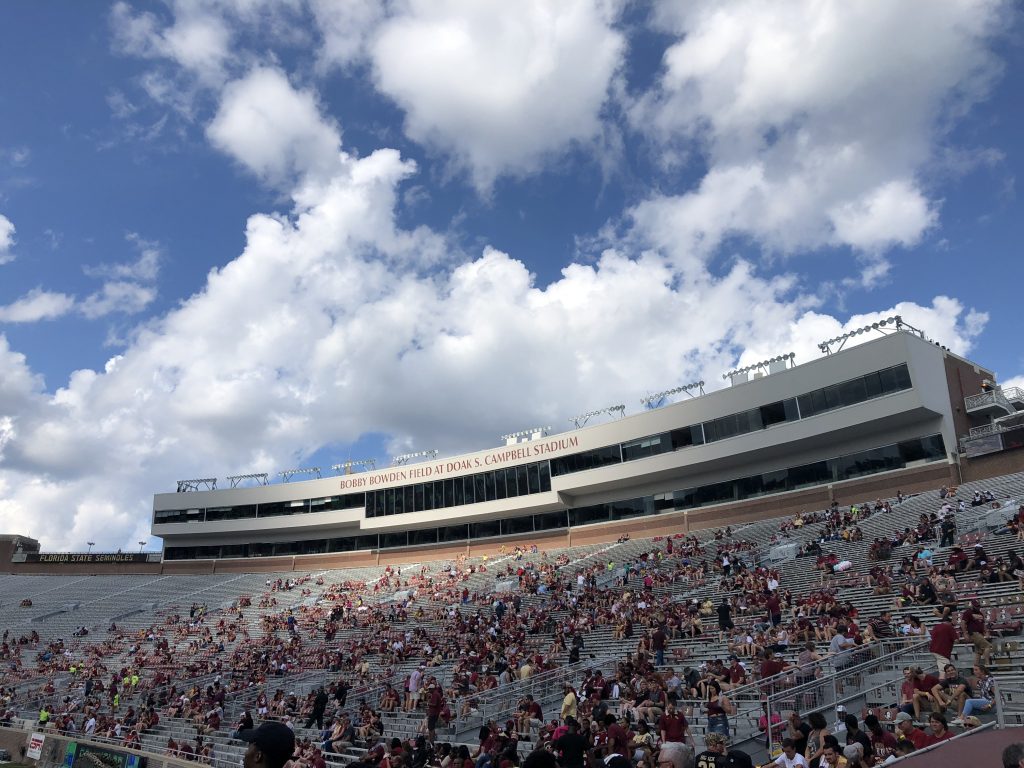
x,y
774,607
943,635
923,683
937,729
771,665
674,726
906,729
618,737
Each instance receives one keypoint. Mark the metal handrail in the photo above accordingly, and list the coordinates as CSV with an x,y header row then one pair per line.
x,y
992,397
497,702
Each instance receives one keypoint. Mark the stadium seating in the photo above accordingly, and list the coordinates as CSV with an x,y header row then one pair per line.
x,y
124,615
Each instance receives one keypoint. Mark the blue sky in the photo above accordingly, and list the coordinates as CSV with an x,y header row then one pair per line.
x,y
247,235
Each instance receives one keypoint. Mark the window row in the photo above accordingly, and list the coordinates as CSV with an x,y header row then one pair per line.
x,y
851,392
458,491
884,459
536,477
271,509
884,382
896,456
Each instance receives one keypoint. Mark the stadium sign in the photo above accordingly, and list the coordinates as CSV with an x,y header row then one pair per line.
x,y
441,469
82,557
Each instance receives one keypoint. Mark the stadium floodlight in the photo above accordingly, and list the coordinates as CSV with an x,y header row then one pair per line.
x,y
533,433
288,474
261,478
405,458
657,400
91,545
198,484
141,545
884,327
770,364
581,420
345,467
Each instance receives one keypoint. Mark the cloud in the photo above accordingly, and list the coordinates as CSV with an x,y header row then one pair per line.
x,y
117,296
248,373
6,240
199,40
274,130
345,30
498,87
37,305
817,120
145,269
809,140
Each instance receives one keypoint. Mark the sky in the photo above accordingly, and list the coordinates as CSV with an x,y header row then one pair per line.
x,y
253,235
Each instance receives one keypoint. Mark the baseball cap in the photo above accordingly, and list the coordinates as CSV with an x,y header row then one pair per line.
x,y
903,717
617,761
274,739
738,759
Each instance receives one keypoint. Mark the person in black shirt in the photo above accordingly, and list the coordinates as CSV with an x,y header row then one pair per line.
x,y
855,735
571,746
714,755
724,618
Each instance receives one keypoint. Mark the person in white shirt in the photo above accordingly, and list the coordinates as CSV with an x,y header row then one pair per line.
x,y
789,758
90,724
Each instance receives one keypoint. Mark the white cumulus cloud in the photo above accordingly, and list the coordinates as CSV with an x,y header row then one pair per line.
x,y
499,86
6,240
37,305
817,119
274,130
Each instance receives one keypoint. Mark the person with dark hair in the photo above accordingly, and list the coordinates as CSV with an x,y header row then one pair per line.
x,y
789,758
571,745
1013,755
831,756
718,709
540,758
270,746
816,737
938,729
882,741
854,735
618,737
737,758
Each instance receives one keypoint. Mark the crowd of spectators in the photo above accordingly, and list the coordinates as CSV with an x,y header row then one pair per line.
x,y
460,642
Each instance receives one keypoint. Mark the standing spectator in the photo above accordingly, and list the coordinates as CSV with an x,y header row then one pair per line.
x,y
658,641
725,623
943,636
435,703
319,707
972,622
673,726
569,704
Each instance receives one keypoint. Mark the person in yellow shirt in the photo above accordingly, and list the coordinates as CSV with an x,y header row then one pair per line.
x,y
569,703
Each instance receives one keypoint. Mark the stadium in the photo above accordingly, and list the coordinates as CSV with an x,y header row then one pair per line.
x,y
814,552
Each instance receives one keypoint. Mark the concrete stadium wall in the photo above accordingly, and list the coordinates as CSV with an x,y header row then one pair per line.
x,y
15,740
885,485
